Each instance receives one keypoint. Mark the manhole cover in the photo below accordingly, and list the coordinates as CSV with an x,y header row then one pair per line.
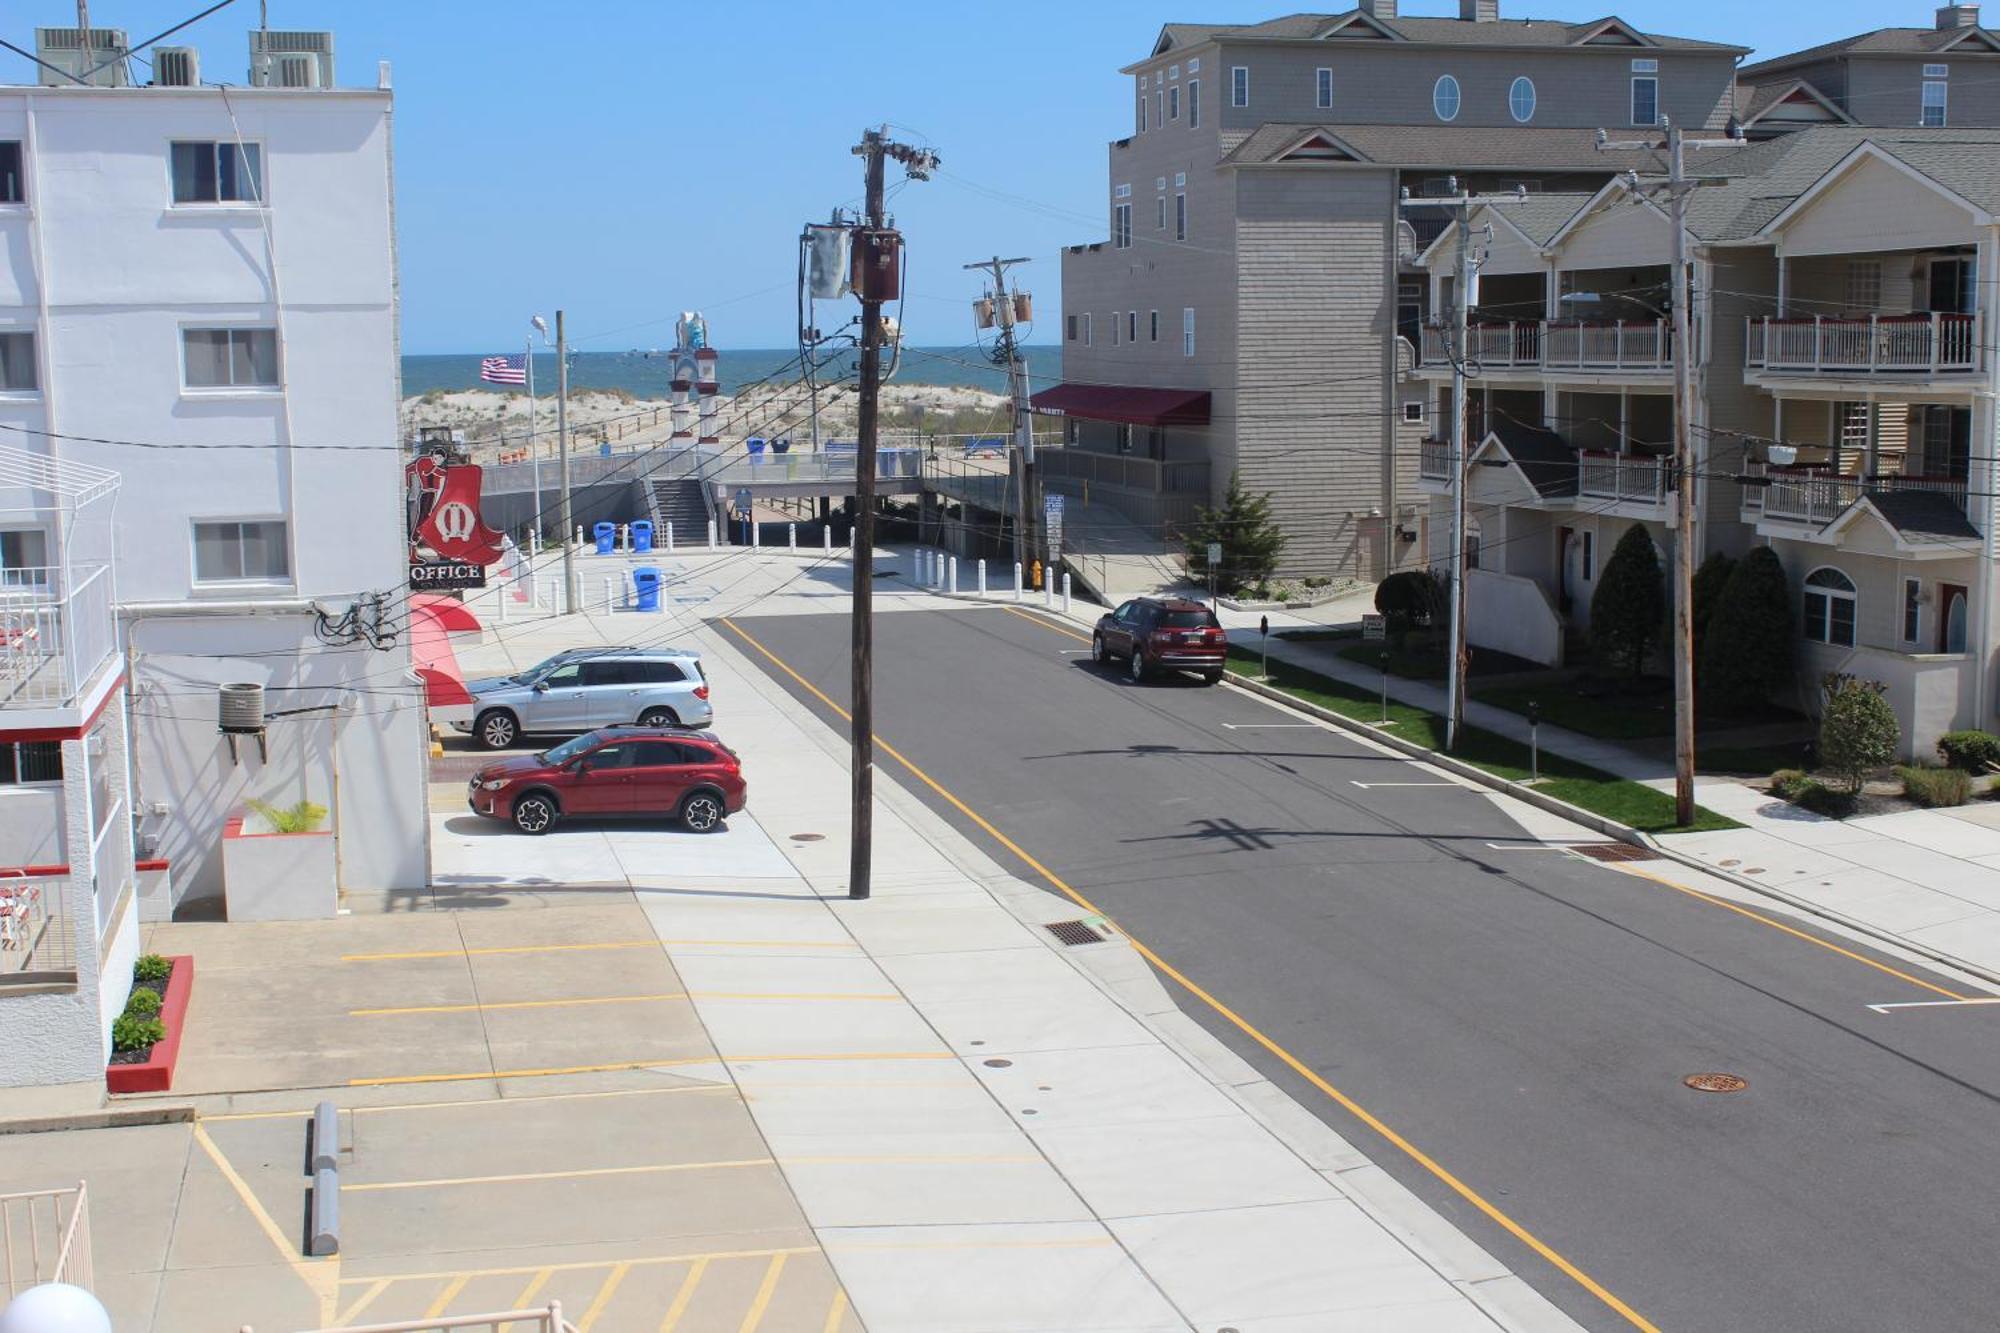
x,y
1716,1082
809,837
1073,932
1614,851
998,1064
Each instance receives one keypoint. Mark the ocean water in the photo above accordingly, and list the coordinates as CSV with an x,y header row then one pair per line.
x,y
646,374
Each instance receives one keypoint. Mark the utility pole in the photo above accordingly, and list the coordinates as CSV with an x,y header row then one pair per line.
x,y
1461,448
1025,495
562,467
1676,189
877,267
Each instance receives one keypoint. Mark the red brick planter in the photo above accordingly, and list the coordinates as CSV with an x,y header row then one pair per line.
x,y
156,1072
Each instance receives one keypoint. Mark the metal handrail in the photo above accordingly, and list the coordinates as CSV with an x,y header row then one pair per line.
x,y
33,1223
545,1319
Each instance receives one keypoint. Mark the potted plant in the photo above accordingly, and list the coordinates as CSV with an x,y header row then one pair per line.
x,y
278,863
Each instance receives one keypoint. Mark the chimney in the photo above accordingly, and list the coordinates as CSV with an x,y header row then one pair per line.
x,y
1950,17
1379,9
1479,11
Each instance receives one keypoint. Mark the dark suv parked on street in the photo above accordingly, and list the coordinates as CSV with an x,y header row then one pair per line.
x,y
623,770
1162,633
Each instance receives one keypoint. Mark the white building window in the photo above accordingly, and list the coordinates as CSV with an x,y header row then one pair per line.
x,y
1086,328
1194,66
17,363
1160,223
1194,104
1323,88
1174,102
1239,85
1936,93
1521,100
24,558
1180,217
13,189
218,173
1645,100
1413,410
1187,331
1445,97
1913,610
241,552
24,762
230,358
1131,326
1830,606
1173,71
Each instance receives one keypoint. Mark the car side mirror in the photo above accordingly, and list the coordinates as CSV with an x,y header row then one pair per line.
x,y
540,687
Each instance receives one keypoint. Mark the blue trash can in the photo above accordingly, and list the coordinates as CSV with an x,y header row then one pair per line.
x,y
642,535
607,537
755,444
646,584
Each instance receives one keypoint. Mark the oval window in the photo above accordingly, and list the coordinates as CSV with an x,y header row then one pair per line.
x,y
1521,100
1444,98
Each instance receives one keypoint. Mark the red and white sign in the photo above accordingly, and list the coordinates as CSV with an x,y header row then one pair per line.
x,y
447,524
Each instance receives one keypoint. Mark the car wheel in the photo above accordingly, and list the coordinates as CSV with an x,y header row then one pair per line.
x,y
1098,652
659,717
1211,677
1138,664
701,811
496,730
534,814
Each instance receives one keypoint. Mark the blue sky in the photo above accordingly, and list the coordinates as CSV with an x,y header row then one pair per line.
x,y
612,157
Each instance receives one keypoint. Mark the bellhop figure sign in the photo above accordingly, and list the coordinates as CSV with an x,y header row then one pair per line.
x,y
450,544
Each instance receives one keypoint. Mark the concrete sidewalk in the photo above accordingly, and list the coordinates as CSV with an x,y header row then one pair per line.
x,y
1926,879
989,1130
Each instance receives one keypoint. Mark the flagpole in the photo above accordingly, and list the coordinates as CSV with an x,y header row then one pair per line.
x,y
534,448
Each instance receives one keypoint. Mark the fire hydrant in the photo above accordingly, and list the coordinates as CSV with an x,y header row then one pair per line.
x,y
1035,576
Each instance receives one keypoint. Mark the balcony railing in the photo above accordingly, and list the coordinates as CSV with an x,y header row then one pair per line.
x,y
1635,477
56,630
1816,496
44,1237
1929,344
37,938
1567,345
1434,460
1129,472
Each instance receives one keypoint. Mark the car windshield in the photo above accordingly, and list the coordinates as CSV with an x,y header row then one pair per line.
x,y
569,749
1186,620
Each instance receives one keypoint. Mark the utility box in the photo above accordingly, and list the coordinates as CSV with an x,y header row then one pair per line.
x,y
878,264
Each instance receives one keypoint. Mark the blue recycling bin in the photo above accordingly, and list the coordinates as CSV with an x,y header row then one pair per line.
x,y
607,537
642,535
604,448
646,586
755,444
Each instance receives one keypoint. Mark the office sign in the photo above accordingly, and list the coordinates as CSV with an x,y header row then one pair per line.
x,y
446,575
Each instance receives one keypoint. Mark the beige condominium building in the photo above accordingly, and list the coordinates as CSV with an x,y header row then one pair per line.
x,y
1844,378
1256,308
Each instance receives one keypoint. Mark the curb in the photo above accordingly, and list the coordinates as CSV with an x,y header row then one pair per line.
x,y
111,1117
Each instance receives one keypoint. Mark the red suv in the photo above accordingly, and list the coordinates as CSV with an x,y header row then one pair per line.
x,y
626,770
1162,633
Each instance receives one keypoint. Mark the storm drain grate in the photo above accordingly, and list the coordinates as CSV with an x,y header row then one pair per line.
x,y
1074,932
1614,851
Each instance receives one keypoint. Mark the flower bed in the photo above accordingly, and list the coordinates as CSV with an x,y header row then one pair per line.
x,y
157,1009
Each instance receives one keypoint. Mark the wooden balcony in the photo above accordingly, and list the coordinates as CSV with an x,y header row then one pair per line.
x,y
1903,346
1636,478
1611,347
1816,496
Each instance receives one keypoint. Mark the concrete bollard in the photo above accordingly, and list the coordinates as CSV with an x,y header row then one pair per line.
x,y
1065,592
923,568
670,536
1049,590
326,1138
1017,580
711,534
625,538
943,567
826,538
325,1238
951,577
579,534
506,596
792,536
607,596
982,578
756,534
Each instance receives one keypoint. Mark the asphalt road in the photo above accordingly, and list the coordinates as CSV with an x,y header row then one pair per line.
x,y
1524,1017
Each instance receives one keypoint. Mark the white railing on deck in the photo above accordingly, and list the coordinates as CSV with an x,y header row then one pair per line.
x,y
56,630
44,1237
1623,477
1811,495
1529,344
1875,344
546,1319
37,937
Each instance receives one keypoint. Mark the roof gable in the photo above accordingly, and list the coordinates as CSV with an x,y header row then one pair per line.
x,y
1609,32
1317,146
1864,152
1911,521
1978,37
1793,102
1359,25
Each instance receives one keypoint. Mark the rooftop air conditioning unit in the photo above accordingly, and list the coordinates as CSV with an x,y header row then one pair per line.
x,y
176,67
290,59
62,48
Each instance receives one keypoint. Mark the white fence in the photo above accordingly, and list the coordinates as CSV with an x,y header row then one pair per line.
x,y
1646,345
1805,495
44,1237
1892,344
37,938
1624,477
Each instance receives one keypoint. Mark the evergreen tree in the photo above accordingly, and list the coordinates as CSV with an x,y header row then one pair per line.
x,y
1250,538
1709,581
1629,609
1858,731
1746,648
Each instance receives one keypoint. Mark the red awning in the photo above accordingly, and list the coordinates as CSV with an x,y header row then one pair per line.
x,y
1130,404
432,621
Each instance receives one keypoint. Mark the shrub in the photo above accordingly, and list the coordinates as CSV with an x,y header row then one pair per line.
x,y
1857,728
143,1003
1709,581
304,817
1250,538
133,1033
1816,796
1786,783
153,969
1630,605
1746,649
1971,751
1318,581
1411,599
1933,787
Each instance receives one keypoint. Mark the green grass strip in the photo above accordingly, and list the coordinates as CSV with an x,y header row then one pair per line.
x,y
1630,803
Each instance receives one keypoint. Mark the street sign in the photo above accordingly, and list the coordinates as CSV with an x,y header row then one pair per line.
x,y
1374,628
1214,553
1052,504
743,499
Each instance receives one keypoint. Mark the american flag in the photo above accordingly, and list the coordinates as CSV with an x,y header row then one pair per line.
x,y
511,369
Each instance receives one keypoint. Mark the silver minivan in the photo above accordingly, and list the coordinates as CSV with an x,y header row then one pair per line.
x,y
582,690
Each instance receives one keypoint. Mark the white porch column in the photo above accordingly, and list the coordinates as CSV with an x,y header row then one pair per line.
x,y
1784,287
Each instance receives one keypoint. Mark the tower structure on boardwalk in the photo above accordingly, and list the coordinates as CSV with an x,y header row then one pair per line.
x,y
694,384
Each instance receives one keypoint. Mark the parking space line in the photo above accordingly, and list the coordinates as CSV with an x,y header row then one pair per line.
x,y
534,1287
505,948
303,1114
578,1265
514,1004
523,1177
447,1296
835,1311
754,1316
603,1298
392,1080
682,1297
367,1299
782,995
320,1276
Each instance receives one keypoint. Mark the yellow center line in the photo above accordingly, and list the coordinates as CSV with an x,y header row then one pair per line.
x,y
602,1299
835,1311
1047,624
753,1318
508,948
1417,1155
514,1004
524,1177
447,1296
684,1296
396,1079
1775,924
